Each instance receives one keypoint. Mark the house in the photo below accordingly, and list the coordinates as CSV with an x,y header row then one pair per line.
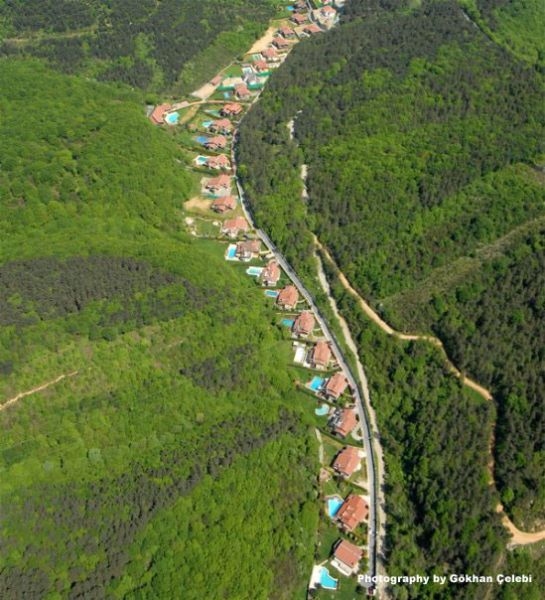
x,y
260,66
247,250
223,204
218,142
344,421
320,355
280,43
270,54
216,80
311,29
301,5
286,32
328,12
347,557
157,116
299,19
347,462
219,183
231,109
233,227
335,386
222,126
352,513
270,274
304,324
218,162
241,91
288,297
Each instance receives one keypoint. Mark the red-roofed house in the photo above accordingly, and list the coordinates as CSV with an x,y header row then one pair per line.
x,y
299,19
218,142
270,54
241,91
157,116
347,461
303,324
233,227
221,126
328,12
335,386
352,513
223,204
218,162
261,66
231,109
216,80
288,297
312,28
344,421
270,274
280,43
320,355
219,183
347,557
247,250
286,32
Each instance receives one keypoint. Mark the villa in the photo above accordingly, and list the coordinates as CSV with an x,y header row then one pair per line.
x,y
299,19
352,513
218,162
270,54
336,385
347,462
320,355
280,43
311,29
304,324
157,116
260,66
288,297
270,274
241,91
344,421
231,109
223,204
286,32
347,557
247,250
223,126
216,80
328,12
233,227
218,142
220,183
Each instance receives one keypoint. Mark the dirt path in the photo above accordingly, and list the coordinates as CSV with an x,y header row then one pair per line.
x,y
321,447
264,41
518,537
35,390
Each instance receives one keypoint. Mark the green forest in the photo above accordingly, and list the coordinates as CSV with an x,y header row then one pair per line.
x,y
175,457
169,46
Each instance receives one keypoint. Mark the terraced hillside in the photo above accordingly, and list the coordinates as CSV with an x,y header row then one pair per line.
x,y
151,432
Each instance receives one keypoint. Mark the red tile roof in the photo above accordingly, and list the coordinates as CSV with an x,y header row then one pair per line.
x,y
221,181
221,125
353,512
347,422
218,162
286,31
261,65
304,323
347,461
224,204
241,90
348,553
231,108
248,247
158,114
321,354
269,53
288,296
271,273
235,225
280,42
312,28
216,80
336,385
328,10
218,141
299,19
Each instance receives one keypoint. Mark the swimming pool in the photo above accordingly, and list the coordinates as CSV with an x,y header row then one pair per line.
x,y
271,293
247,70
326,581
333,505
288,322
226,94
322,410
172,118
206,124
201,160
255,271
316,383
202,139
231,252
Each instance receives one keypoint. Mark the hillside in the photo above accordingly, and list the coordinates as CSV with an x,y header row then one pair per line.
x,y
144,467
173,45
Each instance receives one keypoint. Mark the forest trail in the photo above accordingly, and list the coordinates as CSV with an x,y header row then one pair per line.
x,y
35,390
518,537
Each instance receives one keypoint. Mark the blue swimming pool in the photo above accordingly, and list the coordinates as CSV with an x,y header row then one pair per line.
x,y
326,581
231,252
316,383
201,139
201,160
271,293
333,505
290,8
322,410
254,271
226,94
172,118
207,124
288,322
